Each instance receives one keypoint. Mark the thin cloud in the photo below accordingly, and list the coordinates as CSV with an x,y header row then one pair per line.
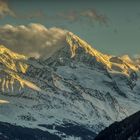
x,y
90,15
93,15
5,9
70,16
84,16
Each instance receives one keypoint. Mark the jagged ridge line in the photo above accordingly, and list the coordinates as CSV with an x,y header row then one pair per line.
x,y
73,39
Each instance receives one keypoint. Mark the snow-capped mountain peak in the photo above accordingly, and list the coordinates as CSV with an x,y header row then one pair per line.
x,y
112,63
75,42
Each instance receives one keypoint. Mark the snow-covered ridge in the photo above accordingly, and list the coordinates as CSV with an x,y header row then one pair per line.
x,y
119,64
75,42
12,60
12,67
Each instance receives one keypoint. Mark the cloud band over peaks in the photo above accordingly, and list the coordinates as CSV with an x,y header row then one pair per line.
x,y
33,40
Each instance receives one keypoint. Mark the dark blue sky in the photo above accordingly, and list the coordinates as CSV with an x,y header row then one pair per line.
x,y
110,26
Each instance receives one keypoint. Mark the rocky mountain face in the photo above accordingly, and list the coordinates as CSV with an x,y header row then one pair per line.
x,y
76,91
128,129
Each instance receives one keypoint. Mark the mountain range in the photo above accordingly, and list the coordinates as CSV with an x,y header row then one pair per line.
x,y
73,94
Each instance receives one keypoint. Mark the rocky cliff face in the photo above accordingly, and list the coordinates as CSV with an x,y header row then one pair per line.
x,y
77,85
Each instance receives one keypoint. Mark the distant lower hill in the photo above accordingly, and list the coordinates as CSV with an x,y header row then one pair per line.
x,y
128,129
13,132
70,132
